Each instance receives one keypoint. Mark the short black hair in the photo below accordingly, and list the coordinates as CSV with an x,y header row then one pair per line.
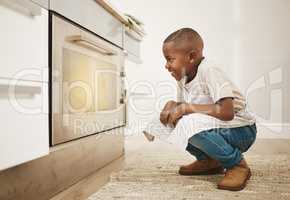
x,y
183,35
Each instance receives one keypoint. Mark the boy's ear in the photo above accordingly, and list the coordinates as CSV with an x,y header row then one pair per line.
x,y
192,56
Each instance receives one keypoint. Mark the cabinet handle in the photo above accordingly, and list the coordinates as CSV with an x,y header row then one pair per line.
x,y
20,89
79,39
23,5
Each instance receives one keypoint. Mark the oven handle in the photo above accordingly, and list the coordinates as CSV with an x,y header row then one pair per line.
x,y
81,40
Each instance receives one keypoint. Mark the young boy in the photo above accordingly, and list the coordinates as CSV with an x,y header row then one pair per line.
x,y
206,90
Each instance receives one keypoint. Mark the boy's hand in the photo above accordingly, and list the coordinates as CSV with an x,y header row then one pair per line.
x,y
177,114
170,105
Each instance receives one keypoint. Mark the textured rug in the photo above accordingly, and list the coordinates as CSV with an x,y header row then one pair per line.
x,y
152,174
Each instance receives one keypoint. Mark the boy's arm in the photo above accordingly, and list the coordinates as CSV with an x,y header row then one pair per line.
x,y
223,110
169,106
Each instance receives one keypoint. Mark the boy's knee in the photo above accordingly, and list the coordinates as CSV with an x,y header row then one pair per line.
x,y
247,144
198,140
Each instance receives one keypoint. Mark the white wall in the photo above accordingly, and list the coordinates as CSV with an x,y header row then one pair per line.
x,y
249,38
262,64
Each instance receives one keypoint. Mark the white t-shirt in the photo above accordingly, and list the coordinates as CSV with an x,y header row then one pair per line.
x,y
208,87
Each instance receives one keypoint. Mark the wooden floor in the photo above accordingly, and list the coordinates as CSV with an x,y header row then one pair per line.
x,y
83,189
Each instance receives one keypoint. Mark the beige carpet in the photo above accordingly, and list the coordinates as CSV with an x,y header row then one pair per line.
x,y
152,174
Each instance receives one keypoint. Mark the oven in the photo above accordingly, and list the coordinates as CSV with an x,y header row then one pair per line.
x,y
87,86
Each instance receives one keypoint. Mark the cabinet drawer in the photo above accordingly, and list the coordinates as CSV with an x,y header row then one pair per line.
x,y
89,14
24,40
24,132
132,46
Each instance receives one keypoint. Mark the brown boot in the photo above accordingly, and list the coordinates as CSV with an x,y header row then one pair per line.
x,y
236,178
202,167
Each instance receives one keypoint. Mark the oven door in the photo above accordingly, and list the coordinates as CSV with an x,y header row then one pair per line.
x,y
87,94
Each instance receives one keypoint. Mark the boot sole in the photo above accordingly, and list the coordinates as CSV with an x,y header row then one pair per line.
x,y
236,188
219,170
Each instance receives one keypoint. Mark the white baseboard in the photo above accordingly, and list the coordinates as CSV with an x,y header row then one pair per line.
x,y
273,130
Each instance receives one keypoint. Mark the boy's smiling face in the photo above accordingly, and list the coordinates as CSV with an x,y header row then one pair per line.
x,y
178,62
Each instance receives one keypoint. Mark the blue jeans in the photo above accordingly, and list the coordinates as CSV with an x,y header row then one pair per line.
x,y
223,144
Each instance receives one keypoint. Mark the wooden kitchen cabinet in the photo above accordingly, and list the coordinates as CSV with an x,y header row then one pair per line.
x,y
24,131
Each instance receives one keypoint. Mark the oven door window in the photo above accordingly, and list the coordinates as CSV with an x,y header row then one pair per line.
x,y
89,84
